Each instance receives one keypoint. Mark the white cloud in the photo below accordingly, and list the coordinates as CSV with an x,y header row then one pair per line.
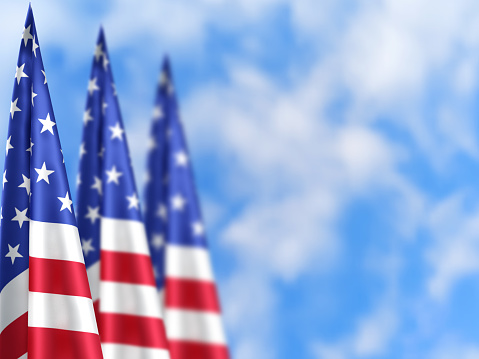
x,y
374,333
249,302
452,348
390,57
455,251
287,237
371,337
327,351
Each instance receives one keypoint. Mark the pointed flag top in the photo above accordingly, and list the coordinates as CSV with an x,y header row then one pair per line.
x,y
43,281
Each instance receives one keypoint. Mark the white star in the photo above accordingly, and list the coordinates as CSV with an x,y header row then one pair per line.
x,y
87,116
92,86
1,213
21,216
98,52
4,178
33,96
14,108
155,272
181,159
63,157
117,131
44,75
30,148
86,246
97,184
157,113
9,145
105,62
198,228
93,214
47,124
152,143
43,173
78,179
19,73
27,35
25,184
66,202
113,175
133,201
34,46
13,253
162,212
114,89
147,177
163,80
157,241
170,88
82,150
102,152
178,202
105,105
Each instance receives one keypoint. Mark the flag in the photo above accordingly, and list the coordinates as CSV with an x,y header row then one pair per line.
x,y
112,230
46,309
177,238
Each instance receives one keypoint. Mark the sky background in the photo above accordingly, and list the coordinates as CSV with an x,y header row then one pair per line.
x,y
336,150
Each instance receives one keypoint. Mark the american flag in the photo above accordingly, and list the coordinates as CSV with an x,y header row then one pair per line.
x,y
112,231
46,309
177,238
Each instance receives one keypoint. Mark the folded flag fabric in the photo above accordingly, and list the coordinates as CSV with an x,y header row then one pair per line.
x,y
177,238
46,310
112,231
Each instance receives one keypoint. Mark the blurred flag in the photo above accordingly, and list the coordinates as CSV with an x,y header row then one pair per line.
x,y
46,309
112,232
177,238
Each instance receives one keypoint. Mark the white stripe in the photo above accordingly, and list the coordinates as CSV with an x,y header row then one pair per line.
x,y
24,356
14,299
120,351
46,310
193,325
123,236
55,241
93,273
132,299
188,262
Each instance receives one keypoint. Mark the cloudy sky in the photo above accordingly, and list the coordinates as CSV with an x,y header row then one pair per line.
x,y
336,151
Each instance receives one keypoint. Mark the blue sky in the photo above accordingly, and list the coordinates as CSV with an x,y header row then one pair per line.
x,y
336,151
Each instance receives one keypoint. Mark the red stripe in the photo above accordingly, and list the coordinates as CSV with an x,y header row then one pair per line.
x,y
13,339
126,268
191,294
57,343
132,330
96,308
58,277
187,350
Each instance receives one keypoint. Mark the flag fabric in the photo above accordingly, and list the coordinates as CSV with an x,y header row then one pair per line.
x,y
46,309
177,238
112,230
